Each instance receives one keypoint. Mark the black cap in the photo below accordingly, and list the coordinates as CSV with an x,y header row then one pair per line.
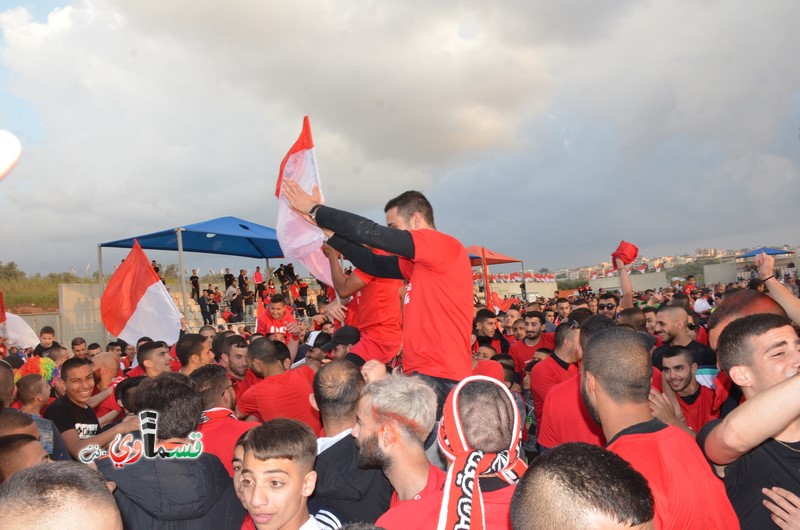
x,y
343,335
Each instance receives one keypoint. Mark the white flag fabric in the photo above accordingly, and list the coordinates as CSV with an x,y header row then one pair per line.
x,y
300,240
136,304
20,334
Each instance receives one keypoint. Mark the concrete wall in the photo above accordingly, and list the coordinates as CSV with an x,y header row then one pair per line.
x,y
534,289
79,305
639,282
720,273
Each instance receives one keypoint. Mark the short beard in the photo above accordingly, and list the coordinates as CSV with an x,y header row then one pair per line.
x,y
592,411
370,454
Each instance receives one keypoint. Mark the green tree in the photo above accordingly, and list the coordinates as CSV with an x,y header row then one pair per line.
x,y
10,272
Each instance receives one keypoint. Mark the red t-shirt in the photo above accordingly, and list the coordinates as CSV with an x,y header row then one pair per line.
x,y
702,336
489,368
438,307
687,493
241,386
522,353
406,515
377,308
267,325
109,403
701,411
544,376
283,396
565,417
221,430
496,509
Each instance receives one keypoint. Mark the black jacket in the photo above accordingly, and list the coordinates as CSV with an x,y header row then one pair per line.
x,y
353,493
175,494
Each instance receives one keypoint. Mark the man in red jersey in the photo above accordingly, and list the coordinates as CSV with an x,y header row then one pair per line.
x,y
218,424
696,401
233,357
615,383
375,310
523,351
438,301
512,315
486,332
565,417
561,365
283,393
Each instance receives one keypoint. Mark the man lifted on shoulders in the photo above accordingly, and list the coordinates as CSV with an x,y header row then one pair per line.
x,y
435,265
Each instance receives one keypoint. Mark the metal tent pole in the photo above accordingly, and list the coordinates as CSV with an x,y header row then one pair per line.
x,y
179,231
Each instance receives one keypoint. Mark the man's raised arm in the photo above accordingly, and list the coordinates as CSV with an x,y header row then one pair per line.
x,y
348,226
754,421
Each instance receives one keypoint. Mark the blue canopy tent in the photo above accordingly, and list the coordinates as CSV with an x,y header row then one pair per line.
x,y
230,236
766,250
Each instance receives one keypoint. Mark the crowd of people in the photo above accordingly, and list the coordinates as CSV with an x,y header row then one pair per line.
x,y
236,301
405,404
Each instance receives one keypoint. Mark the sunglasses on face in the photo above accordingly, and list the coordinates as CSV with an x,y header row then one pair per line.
x,y
606,306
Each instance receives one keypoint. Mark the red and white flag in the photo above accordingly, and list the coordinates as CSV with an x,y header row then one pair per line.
x,y
136,303
299,239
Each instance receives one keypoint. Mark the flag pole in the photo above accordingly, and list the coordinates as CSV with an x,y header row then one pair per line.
x,y
179,231
100,267
486,289
102,284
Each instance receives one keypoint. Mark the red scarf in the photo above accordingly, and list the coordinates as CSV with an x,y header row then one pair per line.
x,y
462,506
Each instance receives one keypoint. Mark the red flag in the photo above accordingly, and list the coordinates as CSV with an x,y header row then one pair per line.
x,y
136,303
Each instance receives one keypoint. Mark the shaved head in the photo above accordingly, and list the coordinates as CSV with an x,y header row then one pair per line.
x,y
577,486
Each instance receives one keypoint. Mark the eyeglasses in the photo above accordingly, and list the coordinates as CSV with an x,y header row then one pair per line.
x,y
691,326
226,389
573,325
606,306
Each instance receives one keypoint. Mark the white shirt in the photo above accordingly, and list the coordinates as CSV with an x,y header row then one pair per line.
x,y
325,442
310,524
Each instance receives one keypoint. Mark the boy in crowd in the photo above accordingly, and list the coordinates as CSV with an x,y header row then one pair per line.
x,y
279,451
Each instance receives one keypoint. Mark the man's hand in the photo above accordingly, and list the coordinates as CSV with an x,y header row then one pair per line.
x,y
300,201
293,329
766,265
785,507
618,264
662,409
130,423
337,311
374,371
330,252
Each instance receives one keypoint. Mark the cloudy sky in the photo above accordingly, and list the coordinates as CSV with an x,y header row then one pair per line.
x,y
544,130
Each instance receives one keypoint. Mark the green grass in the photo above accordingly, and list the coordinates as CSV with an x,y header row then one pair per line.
x,y
39,292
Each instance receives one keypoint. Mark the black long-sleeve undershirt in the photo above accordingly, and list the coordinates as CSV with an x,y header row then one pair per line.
x,y
353,232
